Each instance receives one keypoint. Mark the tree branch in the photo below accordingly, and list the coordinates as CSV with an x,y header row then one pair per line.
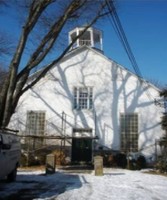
x,y
50,38
48,67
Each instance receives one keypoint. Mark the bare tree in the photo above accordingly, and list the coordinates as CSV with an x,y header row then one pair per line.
x,y
161,165
163,94
5,40
5,44
2,2
3,75
56,16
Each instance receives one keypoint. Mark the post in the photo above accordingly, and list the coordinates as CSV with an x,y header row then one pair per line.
x,y
98,165
50,164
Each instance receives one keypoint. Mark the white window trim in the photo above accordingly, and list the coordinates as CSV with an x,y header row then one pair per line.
x,y
131,133
37,125
77,98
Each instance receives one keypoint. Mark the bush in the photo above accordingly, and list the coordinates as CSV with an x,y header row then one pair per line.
x,y
141,162
38,157
121,160
161,165
23,160
137,163
60,157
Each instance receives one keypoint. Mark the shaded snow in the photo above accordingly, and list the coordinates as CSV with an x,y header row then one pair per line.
x,y
116,184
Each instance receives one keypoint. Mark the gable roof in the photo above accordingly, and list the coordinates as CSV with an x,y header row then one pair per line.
x,y
80,49
100,53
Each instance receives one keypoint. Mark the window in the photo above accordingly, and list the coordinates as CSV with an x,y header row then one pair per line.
x,y
83,98
129,132
35,122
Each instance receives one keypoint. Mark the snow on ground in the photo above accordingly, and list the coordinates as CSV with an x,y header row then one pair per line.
x,y
116,184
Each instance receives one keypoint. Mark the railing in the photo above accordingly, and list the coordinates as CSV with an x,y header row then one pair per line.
x,y
84,42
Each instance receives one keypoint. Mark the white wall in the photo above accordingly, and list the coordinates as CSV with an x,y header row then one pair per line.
x,y
115,91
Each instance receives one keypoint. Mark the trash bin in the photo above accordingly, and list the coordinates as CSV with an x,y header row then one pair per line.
x,y
98,165
50,164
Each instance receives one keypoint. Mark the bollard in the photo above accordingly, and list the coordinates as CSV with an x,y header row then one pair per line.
x,y
98,165
50,164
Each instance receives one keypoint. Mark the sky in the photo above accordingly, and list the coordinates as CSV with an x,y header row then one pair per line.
x,y
115,184
145,25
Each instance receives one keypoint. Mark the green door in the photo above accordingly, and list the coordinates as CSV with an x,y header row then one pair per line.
x,y
81,149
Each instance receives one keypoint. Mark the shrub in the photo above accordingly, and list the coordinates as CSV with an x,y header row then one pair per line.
x,y
141,162
161,165
137,163
121,160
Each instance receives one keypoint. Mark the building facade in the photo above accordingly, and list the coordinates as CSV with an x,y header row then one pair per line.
x,y
93,102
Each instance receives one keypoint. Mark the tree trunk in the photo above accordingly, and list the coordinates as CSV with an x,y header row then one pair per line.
x,y
15,84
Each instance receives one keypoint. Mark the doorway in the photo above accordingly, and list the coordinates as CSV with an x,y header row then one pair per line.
x,y
81,149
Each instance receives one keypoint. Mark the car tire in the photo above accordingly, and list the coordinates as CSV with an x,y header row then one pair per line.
x,y
12,176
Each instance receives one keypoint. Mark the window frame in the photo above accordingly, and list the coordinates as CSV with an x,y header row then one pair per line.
x,y
38,126
129,126
83,98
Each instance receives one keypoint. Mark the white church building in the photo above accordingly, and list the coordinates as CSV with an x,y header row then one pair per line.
x,y
90,102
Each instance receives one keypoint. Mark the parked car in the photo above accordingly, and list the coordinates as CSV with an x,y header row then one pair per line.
x,y
10,152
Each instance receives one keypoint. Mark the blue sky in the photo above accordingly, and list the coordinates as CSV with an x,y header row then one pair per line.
x,y
145,25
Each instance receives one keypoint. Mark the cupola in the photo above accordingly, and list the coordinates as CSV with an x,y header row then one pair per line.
x,y
92,38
